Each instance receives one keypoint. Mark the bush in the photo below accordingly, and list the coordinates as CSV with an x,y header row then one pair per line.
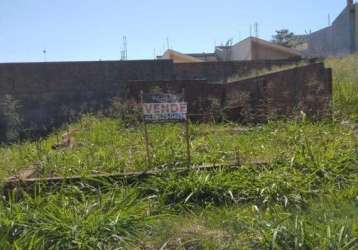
x,y
10,120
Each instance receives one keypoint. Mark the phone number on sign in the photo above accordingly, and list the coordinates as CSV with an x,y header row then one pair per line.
x,y
165,117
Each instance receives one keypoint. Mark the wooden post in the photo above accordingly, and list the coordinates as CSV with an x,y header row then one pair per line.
x,y
212,117
146,138
187,135
149,159
237,156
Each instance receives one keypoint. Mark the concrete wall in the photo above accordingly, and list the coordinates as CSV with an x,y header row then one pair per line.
x,y
50,94
219,72
261,52
338,39
197,93
281,94
242,51
342,29
319,43
254,49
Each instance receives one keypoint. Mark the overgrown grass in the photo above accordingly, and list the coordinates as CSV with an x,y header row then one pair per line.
x,y
345,88
74,220
106,146
305,198
285,205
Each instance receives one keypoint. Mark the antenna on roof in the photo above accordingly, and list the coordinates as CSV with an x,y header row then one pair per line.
x,y
168,45
229,42
329,20
45,56
124,49
256,28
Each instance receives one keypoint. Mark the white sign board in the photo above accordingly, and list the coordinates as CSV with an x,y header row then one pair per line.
x,y
164,107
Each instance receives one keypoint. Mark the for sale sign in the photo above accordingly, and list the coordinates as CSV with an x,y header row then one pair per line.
x,y
164,107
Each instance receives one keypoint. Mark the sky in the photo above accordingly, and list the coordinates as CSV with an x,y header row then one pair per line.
x,y
82,30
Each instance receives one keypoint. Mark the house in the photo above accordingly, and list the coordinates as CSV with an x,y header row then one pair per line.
x,y
251,48
340,38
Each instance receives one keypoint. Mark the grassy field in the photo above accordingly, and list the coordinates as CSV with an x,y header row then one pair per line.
x,y
305,198
345,88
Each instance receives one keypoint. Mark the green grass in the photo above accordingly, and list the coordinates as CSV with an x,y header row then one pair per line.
x,y
106,146
345,88
306,198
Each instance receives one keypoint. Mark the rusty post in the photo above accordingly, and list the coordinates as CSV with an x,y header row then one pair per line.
x,y
237,156
146,138
187,135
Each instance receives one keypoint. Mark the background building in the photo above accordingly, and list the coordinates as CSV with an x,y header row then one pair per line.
x,y
251,48
340,38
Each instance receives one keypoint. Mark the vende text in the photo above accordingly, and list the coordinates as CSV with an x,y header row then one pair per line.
x,y
161,108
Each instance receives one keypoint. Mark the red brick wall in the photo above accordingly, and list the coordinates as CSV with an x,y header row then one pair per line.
x,y
307,89
281,94
49,93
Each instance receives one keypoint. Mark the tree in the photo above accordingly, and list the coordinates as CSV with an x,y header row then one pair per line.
x,y
288,39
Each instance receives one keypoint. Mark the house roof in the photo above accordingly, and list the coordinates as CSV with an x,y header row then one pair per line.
x,y
207,57
271,45
179,57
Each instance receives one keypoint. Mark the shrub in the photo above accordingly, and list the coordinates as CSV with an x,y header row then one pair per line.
x,y
10,119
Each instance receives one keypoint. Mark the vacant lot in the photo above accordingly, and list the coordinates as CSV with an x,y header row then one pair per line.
x,y
305,198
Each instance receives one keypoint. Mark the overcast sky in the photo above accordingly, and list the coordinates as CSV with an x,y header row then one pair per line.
x,y
93,29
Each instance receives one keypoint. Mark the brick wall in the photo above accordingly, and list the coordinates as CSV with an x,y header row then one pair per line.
x,y
338,39
219,72
281,94
50,94
198,93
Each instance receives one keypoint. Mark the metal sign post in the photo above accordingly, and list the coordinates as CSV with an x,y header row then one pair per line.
x,y
164,108
160,108
146,139
187,137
